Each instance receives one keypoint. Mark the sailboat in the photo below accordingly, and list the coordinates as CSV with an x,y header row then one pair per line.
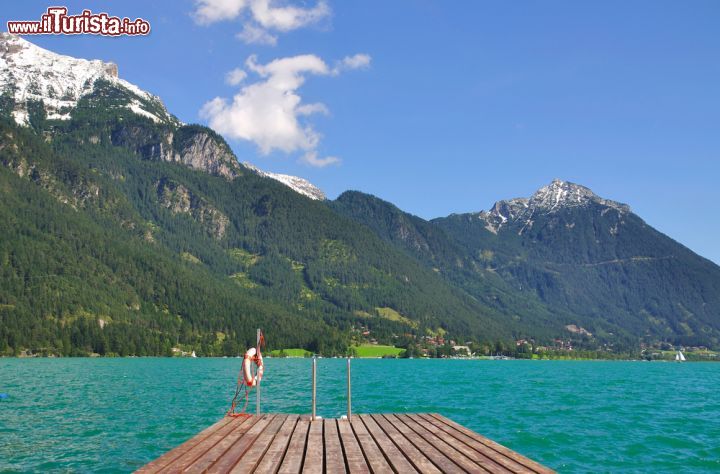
x,y
679,357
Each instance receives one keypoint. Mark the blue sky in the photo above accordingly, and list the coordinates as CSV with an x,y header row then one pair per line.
x,y
462,103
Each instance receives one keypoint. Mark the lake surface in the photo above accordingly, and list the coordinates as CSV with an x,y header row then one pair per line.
x,y
114,415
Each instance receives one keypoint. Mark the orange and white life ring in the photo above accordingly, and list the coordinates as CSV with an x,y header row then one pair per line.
x,y
252,355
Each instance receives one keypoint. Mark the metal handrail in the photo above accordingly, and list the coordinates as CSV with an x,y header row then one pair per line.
x,y
349,391
314,387
314,416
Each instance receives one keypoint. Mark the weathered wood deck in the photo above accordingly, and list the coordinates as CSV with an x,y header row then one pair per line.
x,y
427,443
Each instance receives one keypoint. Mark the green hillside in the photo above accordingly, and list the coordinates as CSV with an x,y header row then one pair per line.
x,y
595,266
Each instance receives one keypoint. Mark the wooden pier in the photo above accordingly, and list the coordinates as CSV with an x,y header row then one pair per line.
x,y
273,443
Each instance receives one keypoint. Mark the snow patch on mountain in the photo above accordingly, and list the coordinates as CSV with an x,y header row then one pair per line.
x,y
31,73
559,194
299,185
552,198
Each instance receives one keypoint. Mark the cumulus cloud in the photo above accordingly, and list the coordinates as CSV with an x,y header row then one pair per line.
x,y
235,77
211,11
259,17
288,17
270,111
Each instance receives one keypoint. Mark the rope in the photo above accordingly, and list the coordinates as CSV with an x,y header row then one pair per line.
x,y
241,384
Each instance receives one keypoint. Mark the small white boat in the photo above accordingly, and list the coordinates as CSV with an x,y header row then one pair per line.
x,y
679,357
193,354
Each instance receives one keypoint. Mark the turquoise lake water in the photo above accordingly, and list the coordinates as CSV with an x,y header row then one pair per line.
x,y
114,415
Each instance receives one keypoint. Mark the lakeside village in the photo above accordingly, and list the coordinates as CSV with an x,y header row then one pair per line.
x,y
410,346
437,346
364,344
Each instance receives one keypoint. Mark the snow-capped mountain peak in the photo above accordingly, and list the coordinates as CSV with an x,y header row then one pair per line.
x,y
299,185
560,193
31,73
556,196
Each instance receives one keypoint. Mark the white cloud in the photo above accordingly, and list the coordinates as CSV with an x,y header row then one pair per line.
x,y
252,34
288,17
359,61
259,17
309,109
311,159
270,112
235,77
211,11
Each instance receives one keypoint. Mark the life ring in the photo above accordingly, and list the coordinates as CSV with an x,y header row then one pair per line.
x,y
252,355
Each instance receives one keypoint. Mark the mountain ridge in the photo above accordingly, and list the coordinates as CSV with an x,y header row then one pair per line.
x,y
549,198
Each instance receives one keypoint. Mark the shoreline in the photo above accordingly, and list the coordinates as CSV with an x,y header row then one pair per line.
x,y
477,359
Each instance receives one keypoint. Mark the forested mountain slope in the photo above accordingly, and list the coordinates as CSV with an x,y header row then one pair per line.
x,y
124,231
564,257
597,259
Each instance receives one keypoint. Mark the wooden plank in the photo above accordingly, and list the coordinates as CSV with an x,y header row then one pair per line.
x,y
334,457
490,453
314,450
167,458
273,457
373,454
238,449
409,450
517,457
199,449
252,456
431,452
427,443
354,457
213,454
488,462
395,453
293,460
461,454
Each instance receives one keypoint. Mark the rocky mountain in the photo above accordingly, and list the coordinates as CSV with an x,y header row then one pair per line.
x,y
597,259
553,198
565,260
30,74
38,84
299,185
